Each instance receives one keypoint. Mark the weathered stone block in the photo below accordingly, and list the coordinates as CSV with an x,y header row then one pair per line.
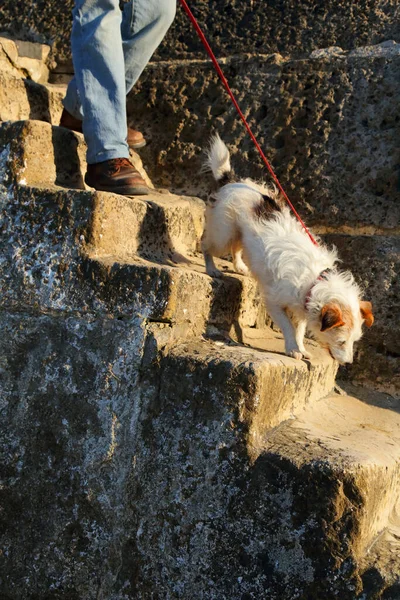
x,y
155,227
328,126
233,27
8,56
265,386
368,461
24,59
289,521
175,293
54,256
113,467
25,99
39,154
69,404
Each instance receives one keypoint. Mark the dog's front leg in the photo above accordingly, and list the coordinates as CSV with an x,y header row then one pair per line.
x,y
300,333
285,324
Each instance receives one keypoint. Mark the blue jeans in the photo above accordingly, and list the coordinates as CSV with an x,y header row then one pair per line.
x,y
110,49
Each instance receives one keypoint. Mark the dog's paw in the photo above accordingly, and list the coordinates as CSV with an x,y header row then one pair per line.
x,y
306,354
214,273
294,354
242,270
239,266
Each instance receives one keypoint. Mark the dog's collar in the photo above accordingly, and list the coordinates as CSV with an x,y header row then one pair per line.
x,y
322,275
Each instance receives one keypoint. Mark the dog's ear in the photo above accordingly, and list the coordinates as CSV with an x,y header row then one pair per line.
x,y
331,316
366,313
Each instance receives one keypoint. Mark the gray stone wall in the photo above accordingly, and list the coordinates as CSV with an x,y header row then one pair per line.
x,y
245,26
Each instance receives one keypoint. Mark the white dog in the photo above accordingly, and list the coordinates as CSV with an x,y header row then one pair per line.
x,y
300,283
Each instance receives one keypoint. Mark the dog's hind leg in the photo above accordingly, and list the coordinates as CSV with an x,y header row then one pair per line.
x,y
237,259
211,268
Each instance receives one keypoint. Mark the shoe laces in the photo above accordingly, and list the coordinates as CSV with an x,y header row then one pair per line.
x,y
116,164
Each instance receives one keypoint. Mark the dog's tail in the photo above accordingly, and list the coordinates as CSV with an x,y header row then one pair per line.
x,y
218,161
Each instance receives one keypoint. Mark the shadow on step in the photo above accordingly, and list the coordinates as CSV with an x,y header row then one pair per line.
x,y
223,298
371,397
67,159
154,240
39,101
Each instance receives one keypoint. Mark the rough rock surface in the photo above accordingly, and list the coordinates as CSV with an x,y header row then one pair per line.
x,y
24,59
267,533
127,479
142,461
284,26
26,99
66,450
328,125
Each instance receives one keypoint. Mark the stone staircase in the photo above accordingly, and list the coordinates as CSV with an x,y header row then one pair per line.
x,y
158,442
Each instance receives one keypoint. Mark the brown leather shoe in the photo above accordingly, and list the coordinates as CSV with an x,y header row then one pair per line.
x,y
135,138
116,175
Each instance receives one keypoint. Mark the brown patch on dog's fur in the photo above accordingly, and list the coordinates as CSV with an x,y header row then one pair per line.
x,y
226,178
366,313
331,316
266,208
347,317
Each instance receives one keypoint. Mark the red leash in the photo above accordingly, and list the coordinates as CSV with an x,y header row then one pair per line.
x,y
236,105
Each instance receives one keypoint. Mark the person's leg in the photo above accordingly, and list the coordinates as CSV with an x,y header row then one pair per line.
x,y
144,25
72,102
99,78
143,28
72,117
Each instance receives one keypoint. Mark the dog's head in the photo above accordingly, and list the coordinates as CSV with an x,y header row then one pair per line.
x,y
341,327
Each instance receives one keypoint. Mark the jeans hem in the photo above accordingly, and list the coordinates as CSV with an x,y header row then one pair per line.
x,y
122,152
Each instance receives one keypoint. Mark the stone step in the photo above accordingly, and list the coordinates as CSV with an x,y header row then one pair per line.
x,y
293,509
176,293
22,98
88,448
264,385
38,153
57,254
160,225
125,241
380,564
355,448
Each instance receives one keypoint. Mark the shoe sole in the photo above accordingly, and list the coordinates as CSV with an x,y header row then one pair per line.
x,y
138,145
127,190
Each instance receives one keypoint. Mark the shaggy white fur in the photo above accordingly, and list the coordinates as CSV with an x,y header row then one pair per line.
x,y
248,220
